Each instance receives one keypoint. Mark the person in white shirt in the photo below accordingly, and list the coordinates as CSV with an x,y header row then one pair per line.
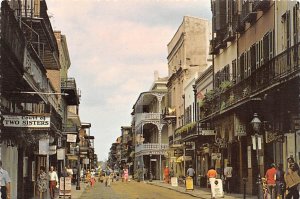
x,y
5,183
228,178
53,181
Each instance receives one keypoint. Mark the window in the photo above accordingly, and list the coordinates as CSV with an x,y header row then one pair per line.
x,y
242,66
234,71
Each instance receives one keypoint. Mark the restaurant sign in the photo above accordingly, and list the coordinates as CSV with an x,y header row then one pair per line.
x,y
26,121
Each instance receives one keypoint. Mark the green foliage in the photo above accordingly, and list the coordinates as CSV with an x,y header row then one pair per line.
x,y
186,127
225,85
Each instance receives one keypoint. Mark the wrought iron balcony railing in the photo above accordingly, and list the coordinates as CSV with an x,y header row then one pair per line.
x,y
275,71
151,147
140,117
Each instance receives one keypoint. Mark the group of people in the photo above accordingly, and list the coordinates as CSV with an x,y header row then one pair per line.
x,y
108,175
280,183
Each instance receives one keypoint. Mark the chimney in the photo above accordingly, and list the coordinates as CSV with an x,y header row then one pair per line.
x,y
156,75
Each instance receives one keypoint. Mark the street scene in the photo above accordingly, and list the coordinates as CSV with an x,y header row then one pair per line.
x,y
149,99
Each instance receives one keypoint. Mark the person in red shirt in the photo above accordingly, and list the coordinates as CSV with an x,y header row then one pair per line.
x,y
271,181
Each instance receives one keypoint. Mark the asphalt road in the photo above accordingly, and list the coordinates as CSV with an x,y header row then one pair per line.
x,y
131,190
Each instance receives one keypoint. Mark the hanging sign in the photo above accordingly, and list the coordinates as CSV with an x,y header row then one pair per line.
x,y
26,121
43,146
71,138
52,149
60,154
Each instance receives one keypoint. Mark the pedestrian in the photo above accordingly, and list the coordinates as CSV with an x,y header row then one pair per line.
x,y
145,173
42,181
211,174
75,171
126,174
172,172
271,183
167,174
107,177
53,182
292,179
5,183
279,179
228,178
92,179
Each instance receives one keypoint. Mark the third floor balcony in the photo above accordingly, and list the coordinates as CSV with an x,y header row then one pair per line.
x,y
276,71
68,86
146,117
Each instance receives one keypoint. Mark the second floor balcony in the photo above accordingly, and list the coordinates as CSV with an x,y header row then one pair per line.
x,y
151,149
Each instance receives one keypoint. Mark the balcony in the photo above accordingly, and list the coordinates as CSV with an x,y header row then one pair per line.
x,y
212,47
276,71
69,86
146,117
248,14
169,115
70,129
229,35
45,40
262,5
151,149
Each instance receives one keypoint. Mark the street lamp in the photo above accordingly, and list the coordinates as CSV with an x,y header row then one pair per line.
x,y
256,140
195,102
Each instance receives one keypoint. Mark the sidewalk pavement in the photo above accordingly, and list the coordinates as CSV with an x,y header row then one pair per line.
x,y
77,193
198,192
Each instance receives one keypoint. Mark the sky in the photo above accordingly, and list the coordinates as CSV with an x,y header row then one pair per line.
x,y
115,46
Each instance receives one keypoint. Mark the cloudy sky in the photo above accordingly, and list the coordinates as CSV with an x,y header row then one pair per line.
x,y
115,46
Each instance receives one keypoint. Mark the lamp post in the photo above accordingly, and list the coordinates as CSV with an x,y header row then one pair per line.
x,y
256,140
195,102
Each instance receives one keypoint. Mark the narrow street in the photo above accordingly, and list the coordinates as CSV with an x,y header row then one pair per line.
x,y
131,190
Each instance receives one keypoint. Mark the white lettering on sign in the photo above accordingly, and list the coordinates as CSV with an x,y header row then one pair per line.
x,y
26,121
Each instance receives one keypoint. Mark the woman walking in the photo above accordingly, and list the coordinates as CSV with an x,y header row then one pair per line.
x,y
42,183
126,174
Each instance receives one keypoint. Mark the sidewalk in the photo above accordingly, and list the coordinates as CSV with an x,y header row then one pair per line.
x,y
197,192
77,193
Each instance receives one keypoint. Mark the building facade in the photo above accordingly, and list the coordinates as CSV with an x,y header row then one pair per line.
x,y
187,56
255,50
150,132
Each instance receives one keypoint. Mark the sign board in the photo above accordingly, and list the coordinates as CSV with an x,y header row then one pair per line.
x,y
26,121
297,124
33,171
86,161
189,183
60,154
65,186
216,156
52,149
174,182
71,138
43,146
216,188
207,132
153,160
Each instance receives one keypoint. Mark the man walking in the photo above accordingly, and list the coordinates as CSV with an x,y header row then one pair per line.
x,y
5,183
270,176
53,181
228,178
